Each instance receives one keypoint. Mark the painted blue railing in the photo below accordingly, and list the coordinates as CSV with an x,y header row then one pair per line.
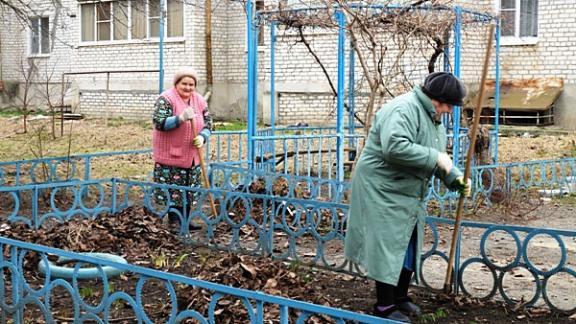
x,y
312,232
57,169
504,252
491,183
18,295
305,151
224,146
238,178
496,183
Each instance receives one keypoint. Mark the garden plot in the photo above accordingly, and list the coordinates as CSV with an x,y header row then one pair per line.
x,y
133,233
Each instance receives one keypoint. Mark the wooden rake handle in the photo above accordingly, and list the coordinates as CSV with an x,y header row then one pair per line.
x,y
205,179
469,155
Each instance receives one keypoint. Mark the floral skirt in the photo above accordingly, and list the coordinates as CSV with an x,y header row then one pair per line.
x,y
187,177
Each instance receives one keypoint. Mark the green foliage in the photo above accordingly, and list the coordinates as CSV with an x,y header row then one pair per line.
x,y
111,288
307,273
435,317
86,292
160,261
294,265
180,259
542,152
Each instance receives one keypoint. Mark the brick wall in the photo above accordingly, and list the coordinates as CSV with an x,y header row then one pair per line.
x,y
125,104
555,52
300,83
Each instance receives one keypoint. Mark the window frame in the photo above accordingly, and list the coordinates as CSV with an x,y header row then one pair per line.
x,y
99,22
129,36
39,32
516,39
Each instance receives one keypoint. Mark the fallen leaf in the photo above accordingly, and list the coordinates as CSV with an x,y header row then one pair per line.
x,y
271,283
250,269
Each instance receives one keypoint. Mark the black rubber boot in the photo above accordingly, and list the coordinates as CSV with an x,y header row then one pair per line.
x,y
407,306
174,219
392,314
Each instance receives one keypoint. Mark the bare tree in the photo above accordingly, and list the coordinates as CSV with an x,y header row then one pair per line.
x,y
28,71
51,93
19,7
382,41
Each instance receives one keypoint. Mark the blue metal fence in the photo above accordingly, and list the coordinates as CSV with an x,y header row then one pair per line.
x,y
309,231
18,296
241,178
224,146
528,250
302,150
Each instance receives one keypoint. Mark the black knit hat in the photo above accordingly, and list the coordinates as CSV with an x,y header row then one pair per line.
x,y
444,87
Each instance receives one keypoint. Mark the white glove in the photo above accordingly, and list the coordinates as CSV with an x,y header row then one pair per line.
x,y
198,141
187,114
464,187
444,162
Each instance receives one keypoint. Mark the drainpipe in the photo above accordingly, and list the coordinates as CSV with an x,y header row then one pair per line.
x,y
208,45
1,65
161,45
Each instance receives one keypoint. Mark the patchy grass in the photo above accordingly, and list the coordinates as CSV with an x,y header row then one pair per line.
x,y
569,200
547,146
230,126
435,317
571,148
13,112
80,137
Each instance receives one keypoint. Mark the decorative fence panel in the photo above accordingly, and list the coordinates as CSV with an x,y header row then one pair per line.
x,y
312,232
21,300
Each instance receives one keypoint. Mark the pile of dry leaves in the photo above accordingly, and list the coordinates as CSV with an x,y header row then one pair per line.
x,y
143,239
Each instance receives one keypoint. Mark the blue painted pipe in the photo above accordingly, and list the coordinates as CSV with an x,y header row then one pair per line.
x,y
83,273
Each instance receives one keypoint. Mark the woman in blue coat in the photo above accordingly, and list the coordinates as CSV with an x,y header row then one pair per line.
x,y
405,147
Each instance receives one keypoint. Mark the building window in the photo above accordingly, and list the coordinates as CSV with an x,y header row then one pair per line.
x,y
154,18
39,35
103,21
129,19
519,18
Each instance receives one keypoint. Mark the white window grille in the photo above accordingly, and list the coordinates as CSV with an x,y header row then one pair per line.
x,y
122,20
519,20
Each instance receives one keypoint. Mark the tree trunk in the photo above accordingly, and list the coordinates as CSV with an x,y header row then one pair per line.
x,y
208,45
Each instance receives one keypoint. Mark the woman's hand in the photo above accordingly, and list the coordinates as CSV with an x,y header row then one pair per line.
x,y
444,162
464,187
187,114
198,141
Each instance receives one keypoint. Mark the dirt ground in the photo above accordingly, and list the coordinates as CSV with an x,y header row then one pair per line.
x,y
100,135
341,291
130,235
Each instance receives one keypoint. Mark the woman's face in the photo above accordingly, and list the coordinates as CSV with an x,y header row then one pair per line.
x,y
442,107
185,87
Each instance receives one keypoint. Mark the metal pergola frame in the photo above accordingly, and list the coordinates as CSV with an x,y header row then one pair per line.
x,y
256,18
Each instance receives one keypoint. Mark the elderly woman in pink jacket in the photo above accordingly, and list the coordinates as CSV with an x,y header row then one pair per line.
x,y
175,144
